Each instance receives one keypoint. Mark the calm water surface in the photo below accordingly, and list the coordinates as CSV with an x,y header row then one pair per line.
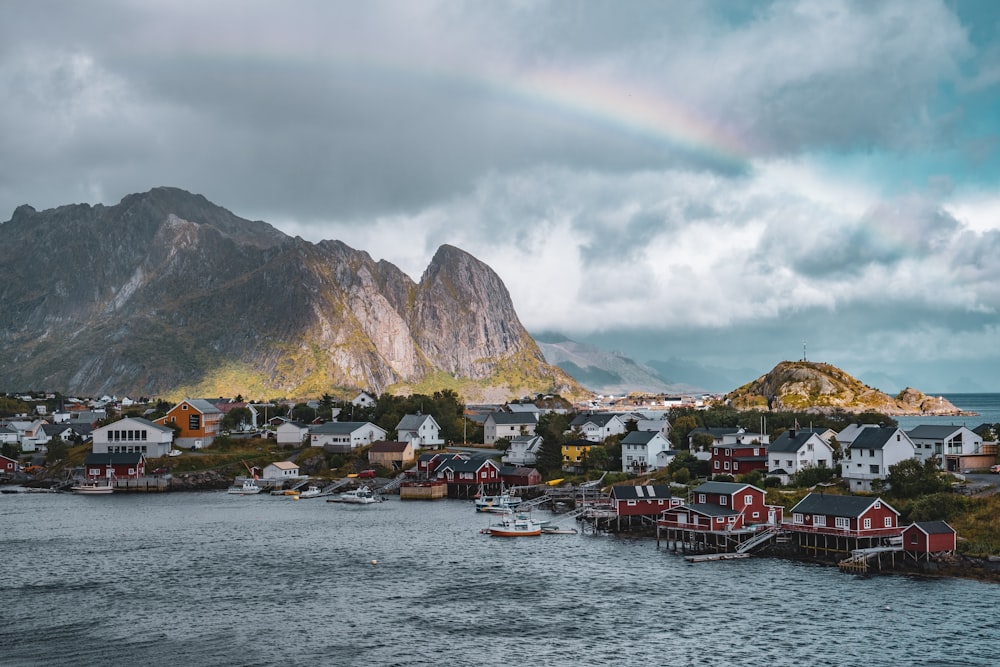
x,y
215,579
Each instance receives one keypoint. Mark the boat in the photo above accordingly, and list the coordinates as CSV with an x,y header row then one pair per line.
x,y
498,504
249,487
359,496
519,524
556,530
311,492
93,488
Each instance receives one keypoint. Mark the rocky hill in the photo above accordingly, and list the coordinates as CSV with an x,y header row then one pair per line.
x,y
166,294
817,387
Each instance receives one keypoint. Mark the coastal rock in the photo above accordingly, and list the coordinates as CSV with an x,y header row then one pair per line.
x,y
818,387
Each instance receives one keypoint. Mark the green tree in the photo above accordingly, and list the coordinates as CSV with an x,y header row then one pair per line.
x,y
685,460
501,444
680,428
598,457
911,478
57,449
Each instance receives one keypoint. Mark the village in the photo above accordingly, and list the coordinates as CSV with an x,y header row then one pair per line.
x,y
723,514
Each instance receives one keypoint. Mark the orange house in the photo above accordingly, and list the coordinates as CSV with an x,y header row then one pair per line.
x,y
197,422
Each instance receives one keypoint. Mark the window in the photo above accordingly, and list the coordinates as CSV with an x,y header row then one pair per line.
x,y
701,497
888,522
789,463
873,469
797,518
716,465
868,523
729,452
194,422
726,465
878,504
819,520
723,500
756,515
842,522
748,499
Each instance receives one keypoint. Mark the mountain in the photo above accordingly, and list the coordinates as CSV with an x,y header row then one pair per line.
x,y
601,371
167,294
818,387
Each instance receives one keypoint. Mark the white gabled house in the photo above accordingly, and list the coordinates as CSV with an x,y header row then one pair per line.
x,y
291,433
596,426
640,450
133,434
523,450
342,437
281,470
419,430
363,400
508,425
795,450
871,453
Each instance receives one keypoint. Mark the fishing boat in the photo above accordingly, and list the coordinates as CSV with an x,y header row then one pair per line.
x,y
93,488
497,504
511,524
359,496
249,487
311,492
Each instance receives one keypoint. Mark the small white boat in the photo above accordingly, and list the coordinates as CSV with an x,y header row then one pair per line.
x,y
512,524
93,488
556,530
311,492
499,504
249,487
360,496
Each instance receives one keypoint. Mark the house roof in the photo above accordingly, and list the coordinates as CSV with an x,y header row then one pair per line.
x,y
384,447
138,420
285,465
414,422
724,488
639,437
833,505
466,465
933,431
647,492
791,441
514,418
874,438
115,458
341,428
933,527
203,406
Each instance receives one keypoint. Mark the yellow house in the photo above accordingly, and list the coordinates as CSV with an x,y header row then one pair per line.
x,y
574,451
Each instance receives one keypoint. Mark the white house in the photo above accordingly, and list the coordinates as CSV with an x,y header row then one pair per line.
x,y
363,400
419,430
795,450
291,433
508,425
133,434
29,433
281,470
850,432
523,450
344,436
596,426
665,458
941,441
640,450
871,453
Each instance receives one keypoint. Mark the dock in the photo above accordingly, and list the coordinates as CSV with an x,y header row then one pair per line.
x,y
701,558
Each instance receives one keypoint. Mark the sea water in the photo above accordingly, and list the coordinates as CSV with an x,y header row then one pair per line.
x,y
210,578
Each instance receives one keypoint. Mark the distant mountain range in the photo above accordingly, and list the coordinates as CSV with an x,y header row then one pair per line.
x,y
167,294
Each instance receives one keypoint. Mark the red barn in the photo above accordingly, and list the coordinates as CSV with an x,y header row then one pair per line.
x,y
924,538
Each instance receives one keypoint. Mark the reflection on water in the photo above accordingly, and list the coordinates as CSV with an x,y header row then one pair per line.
x,y
211,579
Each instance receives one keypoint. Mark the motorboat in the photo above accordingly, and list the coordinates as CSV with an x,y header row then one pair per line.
x,y
311,492
359,496
174,452
93,488
498,504
249,487
515,524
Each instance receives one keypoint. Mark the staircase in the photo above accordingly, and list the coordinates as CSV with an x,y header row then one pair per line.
x,y
760,538
393,483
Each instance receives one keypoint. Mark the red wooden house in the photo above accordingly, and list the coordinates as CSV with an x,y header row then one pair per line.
x,y
520,476
738,458
924,538
8,466
649,500
852,516
722,506
466,476
131,465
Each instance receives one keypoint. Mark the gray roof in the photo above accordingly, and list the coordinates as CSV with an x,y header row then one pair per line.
x,y
874,438
203,406
790,441
413,422
934,527
832,505
725,488
599,418
639,437
647,492
117,458
340,428
514,418
933,431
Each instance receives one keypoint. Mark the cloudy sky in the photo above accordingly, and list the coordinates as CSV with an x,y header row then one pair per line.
x,y
716,182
